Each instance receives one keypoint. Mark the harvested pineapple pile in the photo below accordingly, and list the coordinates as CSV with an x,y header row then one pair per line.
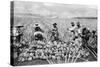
x,y
53,52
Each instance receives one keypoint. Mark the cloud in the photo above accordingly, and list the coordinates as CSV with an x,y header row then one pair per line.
x,y
48,4
68,10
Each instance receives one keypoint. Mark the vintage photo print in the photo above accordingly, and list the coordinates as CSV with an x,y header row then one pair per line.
x,y
52,33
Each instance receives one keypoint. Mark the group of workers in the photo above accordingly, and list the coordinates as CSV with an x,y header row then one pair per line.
x,y
79,35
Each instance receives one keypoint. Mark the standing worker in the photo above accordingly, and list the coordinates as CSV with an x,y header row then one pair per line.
x,y
38,33
55,34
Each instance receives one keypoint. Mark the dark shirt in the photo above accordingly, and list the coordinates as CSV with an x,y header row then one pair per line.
x,y
38,29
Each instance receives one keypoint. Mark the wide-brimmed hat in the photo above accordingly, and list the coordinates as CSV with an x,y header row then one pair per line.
x,y
36,24
72,23
54,23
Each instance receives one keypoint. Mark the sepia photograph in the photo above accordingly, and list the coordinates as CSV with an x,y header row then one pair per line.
x,y
52,33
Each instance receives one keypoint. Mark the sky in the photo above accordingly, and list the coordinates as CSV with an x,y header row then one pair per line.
x,y
54,9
